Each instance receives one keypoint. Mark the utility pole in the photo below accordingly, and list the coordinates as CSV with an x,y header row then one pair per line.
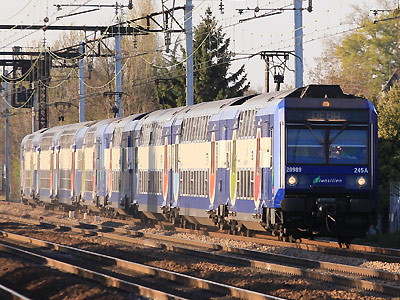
x,y
81,82
189,53
34,128
118,77
298,42
266,74
7,154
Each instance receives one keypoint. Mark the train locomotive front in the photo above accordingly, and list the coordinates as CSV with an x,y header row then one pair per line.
x,y
327,158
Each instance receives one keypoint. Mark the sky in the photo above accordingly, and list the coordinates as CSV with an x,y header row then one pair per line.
x,y
329,18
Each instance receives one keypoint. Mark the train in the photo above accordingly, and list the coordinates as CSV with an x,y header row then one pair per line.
x,y
296,163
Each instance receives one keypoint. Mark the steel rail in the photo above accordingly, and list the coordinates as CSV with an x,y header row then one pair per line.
x,y
379,254
9,294
88,274
148,270
287,269
355,250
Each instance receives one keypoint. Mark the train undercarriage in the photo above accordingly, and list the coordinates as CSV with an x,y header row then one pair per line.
x,y
319,218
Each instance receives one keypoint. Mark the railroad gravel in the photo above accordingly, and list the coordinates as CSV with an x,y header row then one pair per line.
x,y
27,211
287,286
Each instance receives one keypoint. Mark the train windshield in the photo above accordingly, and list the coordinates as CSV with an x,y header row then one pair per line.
x,y
305,146
327,146
347,147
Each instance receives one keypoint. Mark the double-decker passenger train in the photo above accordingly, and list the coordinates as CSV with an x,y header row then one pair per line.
x,y
298,163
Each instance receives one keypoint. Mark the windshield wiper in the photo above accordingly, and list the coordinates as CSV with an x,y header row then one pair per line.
x,y
345,126
320,141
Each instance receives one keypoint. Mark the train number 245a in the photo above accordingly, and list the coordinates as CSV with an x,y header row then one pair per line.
x,y
360,170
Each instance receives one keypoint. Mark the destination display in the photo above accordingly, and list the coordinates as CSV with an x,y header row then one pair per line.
x,y
323,115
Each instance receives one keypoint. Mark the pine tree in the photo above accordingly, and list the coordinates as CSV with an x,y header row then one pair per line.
x,y
212,60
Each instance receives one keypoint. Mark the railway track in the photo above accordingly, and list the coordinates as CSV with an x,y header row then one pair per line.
x,y
70,259
365,279
9,294
332,248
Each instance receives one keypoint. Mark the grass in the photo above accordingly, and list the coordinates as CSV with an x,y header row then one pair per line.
x,y
388,240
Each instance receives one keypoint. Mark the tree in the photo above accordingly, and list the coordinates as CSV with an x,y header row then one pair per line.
x,y
364,59
389,144
212,60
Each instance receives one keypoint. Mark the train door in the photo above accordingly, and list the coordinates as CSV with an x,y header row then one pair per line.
x,y
175,171
52,172
266,160
130,143
232,155
212,170
223,151
110,169
73,170
35,173
94,174
32,172
57,171
257,172
83,172
135,187
97,169
166,181
123,170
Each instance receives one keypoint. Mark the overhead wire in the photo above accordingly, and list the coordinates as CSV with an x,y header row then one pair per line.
x,y
37,30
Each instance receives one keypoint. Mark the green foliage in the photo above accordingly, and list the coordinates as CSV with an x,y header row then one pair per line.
x,y
370,54
389,143
212,60
363,60
385,240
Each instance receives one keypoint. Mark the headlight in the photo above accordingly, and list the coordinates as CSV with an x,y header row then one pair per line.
x,y
292,180
361,181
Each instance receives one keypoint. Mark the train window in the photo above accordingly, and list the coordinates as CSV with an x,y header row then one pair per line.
x,y
176,159
181,183
252,184
197,125
196,128
183,130
246,184
206,183
202,183
189,129
246,123
194,180
348,147
141,179
305,146
191,183
238,184
202,128
190,133
199,190
187,182
252,118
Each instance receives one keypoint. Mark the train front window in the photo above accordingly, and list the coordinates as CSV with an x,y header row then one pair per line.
x,y
348,147
305,146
